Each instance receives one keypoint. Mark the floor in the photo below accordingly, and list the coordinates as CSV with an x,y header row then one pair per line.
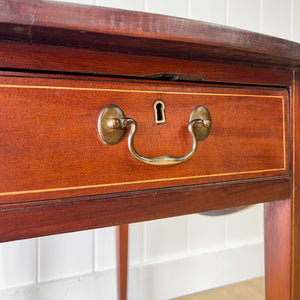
x,y
248,290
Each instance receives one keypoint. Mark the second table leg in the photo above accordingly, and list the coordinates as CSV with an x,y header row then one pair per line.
x,y
122,260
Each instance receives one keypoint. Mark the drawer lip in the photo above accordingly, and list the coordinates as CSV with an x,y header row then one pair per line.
x,y
54,87
137,182
101,211
280,171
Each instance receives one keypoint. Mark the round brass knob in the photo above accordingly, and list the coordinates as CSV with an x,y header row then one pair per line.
x,y
113,123
206,123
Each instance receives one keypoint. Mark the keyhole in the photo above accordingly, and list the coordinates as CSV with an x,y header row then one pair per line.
x,y
159,112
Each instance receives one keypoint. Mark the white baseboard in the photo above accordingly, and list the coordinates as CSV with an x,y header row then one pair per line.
x,y
155,281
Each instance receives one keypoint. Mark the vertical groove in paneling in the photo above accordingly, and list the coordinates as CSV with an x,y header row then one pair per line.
x,y
292,21
276,18
260,15
177,8
66,255
187,238
38,261
18,263
106,245
248,16
165,238
188,235
226,12
144,241
136,244
209,11
95,251
296,21
243,227
205,233
226,233
261,223
188,3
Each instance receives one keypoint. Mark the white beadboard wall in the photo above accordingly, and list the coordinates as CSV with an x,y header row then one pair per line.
x,y
170,257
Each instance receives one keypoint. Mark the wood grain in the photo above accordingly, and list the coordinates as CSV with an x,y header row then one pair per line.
x,y
56,174
50,147
122,259
296,182
278,250
27,220
61,60
135,32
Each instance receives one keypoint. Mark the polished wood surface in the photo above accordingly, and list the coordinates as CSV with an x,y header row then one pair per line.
x,y
54,150
295,229
57,61
122,259
278,249
25,220
135,32
59,68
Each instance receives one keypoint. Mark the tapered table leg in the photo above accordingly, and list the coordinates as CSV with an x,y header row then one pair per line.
x,y
278,250
122,260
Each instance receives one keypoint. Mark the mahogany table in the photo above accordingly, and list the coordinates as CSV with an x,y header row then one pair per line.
x,y
110,117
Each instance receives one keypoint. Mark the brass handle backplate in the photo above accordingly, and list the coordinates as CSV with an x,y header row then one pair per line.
x,y
112,125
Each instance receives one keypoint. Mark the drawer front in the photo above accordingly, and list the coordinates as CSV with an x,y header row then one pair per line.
x,y
50,145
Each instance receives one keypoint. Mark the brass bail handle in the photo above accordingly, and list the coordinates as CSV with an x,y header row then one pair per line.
x,y
112,125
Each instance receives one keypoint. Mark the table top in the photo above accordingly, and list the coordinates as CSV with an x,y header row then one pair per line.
x,y
133,32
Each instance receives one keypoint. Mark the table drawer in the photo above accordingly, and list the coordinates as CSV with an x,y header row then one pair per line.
x,y
51,148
